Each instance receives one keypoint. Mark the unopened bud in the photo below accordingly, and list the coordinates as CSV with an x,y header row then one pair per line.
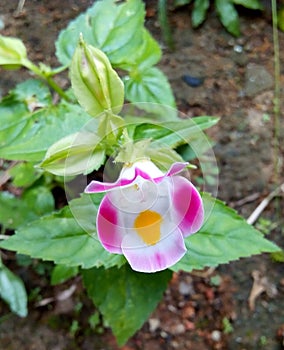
x,y
96,84
12,52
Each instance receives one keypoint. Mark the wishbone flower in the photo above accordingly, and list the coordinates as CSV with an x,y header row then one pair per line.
x,y
146,214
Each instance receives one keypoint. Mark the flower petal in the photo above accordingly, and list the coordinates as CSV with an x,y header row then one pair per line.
x,y
176,168
144,169
187,203
109,231
97,186
152,258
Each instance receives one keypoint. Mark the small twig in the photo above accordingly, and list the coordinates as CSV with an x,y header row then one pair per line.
x,y
259,209
20,7
245,200
65,294
205,273
260,284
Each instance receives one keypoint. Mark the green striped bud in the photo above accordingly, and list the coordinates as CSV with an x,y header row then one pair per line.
x,y
95,83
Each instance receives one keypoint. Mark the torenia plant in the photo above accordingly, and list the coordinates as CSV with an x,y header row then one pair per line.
x,y
132,214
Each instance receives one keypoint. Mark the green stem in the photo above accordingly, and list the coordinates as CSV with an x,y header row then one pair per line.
x,y
277,91
47,77
276,102
57,88
164,23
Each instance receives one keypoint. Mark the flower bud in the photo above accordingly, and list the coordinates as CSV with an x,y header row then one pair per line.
x,y
12,52
96,85
74,154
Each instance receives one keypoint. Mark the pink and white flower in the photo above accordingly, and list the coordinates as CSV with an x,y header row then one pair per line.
x,y
146,214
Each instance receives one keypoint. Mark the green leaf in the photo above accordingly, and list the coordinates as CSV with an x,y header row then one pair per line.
x,y
24,174
12,52
13,292
225,236
39,199
95,83
151,86
250,4
145,57
125,298
115,28
131,152
16,108
16,211
67,237
228,16
34,93
62,273
41,129
74,154
173,134
199,12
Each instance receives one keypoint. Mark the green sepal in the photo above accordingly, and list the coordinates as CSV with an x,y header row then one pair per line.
x,y
79,153
109,129
133,151
163,157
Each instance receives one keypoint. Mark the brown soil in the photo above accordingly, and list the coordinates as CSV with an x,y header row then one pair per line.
x,y
202,310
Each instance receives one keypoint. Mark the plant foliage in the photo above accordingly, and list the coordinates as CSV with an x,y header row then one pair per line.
x,y
53,142
226,11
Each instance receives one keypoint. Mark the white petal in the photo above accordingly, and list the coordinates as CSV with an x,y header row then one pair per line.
x,y
152,258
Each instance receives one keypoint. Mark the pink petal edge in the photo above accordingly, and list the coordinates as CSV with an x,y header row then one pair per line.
x,y
97,186
188,205
109,232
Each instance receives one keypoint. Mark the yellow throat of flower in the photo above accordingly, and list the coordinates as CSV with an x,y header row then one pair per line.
x,y
148,226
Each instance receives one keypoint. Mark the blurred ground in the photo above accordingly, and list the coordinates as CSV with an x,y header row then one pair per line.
x,y
204,310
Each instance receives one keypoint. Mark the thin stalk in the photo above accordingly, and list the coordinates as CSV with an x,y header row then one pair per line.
x,y
164,23
57,88
277,96
32,67
277,91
